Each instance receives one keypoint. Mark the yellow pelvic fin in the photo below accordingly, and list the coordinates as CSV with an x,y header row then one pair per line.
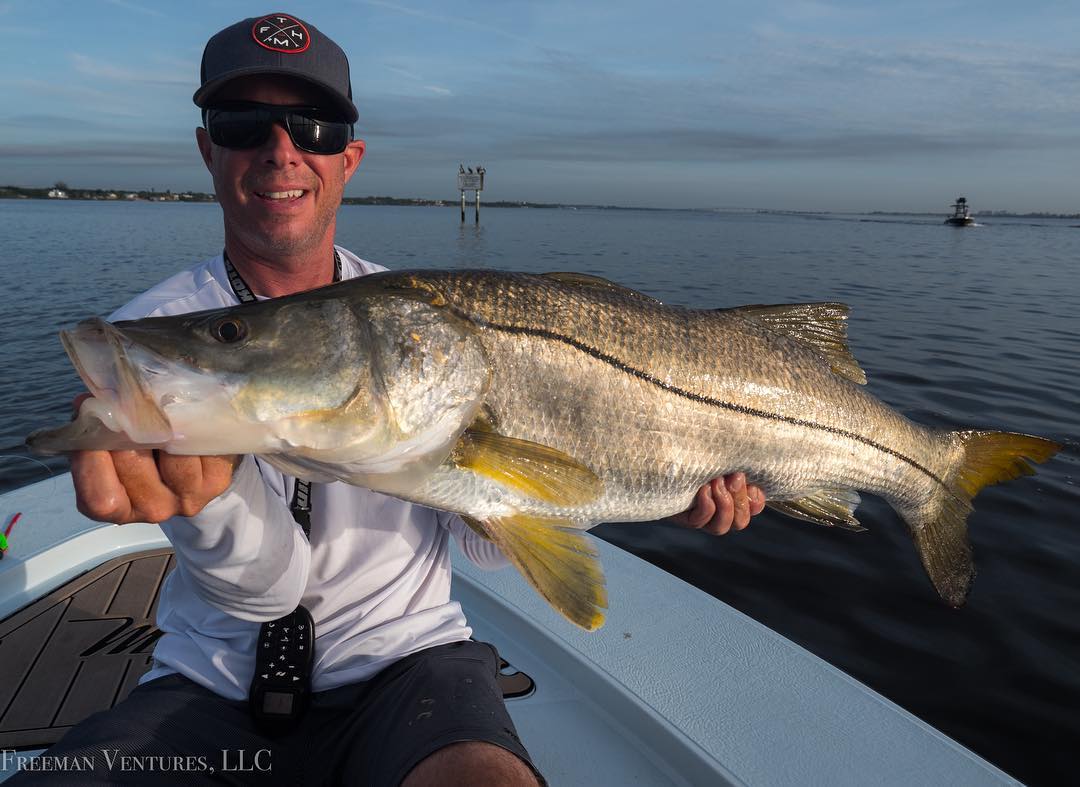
x,y
559,562
532,469
941,537
830,507
820,326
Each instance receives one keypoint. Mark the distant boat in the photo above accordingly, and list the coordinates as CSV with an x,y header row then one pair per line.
x,y
961,215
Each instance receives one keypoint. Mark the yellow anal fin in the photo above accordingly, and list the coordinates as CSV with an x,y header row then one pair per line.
x,y
830,507
820,326
534,470
560,563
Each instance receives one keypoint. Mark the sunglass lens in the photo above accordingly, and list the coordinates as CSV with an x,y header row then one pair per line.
x,y
318,136
238,129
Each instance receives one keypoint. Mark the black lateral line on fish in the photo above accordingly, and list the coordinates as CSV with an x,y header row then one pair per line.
x,y
738,408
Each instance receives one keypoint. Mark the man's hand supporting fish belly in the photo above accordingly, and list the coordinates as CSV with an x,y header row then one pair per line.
x,y
722,504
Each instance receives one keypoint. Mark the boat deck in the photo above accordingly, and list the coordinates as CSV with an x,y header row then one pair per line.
x,y
83,647
80,649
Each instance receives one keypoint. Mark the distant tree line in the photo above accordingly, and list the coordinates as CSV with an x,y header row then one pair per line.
x,y
61,190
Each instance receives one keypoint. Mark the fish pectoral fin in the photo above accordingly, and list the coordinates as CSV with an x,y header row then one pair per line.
x,y
559,562
596,283
820,326
531,469
829,507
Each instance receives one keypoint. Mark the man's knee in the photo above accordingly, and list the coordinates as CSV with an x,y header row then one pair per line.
x,y
470,763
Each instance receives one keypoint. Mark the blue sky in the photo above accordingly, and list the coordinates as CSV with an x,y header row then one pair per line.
x,y
790,105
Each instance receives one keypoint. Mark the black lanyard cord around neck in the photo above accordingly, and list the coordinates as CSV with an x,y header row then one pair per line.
x,y
280,689
301,500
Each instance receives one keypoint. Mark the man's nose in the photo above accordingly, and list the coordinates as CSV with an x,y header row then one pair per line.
x,y
278,149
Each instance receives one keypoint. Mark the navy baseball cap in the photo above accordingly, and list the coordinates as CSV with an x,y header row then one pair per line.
x,y
277,44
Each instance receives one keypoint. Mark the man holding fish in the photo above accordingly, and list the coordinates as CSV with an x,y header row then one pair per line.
x,y
392,651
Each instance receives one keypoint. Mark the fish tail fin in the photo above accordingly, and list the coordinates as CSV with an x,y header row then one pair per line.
x,y
939,527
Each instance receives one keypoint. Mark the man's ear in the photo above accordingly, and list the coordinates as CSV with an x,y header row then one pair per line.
x,y
354,151
206,147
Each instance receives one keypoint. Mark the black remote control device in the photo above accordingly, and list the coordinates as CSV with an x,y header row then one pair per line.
x,y
281,689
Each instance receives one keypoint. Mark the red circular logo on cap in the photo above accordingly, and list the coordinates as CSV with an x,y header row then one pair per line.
x,y
281,33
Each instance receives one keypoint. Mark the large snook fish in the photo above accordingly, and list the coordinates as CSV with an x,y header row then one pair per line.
x,y
537,406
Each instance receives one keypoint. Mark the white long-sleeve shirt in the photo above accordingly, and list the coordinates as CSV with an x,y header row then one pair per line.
x,y
375,574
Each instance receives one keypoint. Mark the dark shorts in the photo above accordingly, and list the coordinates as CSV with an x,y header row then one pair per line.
x,y
173,731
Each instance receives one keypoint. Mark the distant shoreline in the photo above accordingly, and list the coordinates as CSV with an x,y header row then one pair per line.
x,y
125,195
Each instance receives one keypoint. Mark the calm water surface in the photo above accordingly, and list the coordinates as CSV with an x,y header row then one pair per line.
x,y
955,327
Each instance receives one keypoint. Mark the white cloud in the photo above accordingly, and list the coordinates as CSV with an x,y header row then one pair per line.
x,y
104,70
414,76
402,72
139,9
457,21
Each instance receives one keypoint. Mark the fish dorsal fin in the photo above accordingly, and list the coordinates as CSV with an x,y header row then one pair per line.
x,y
597,283
830,507
559,562
820,326
530,469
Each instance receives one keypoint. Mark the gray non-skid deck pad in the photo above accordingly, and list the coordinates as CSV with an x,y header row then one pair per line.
x,y
80,649
83,647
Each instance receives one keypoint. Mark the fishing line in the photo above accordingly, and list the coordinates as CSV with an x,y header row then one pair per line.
x,y
48,469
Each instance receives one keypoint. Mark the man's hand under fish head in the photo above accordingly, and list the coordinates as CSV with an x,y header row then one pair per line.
x,y
145,485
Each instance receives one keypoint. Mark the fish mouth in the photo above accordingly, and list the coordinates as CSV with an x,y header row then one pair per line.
x,y
131,381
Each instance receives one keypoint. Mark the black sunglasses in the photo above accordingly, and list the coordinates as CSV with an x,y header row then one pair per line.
x,y
243,125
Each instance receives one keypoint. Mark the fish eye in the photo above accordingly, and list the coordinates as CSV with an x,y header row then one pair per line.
x,y
228,330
